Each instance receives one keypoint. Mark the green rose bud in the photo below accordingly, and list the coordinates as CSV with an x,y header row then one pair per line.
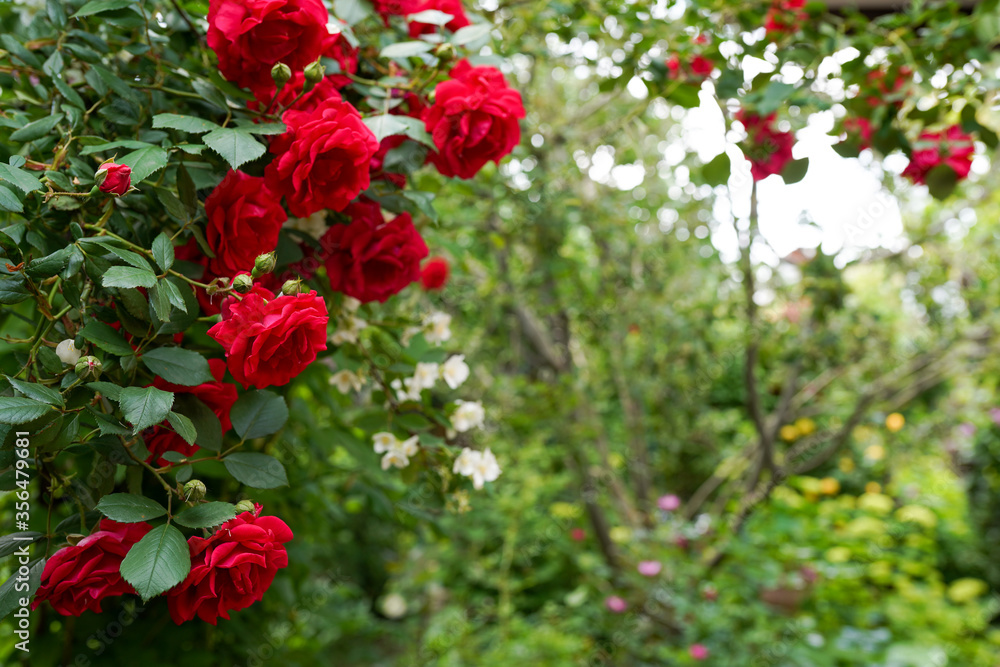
x,y
313,74
194,490
445,52
264,264
282,74
88,368
292,287
242,283
244,506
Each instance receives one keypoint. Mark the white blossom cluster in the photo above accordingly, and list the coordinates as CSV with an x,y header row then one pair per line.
x,y
396,452
454,372
481,467
436,328
348,324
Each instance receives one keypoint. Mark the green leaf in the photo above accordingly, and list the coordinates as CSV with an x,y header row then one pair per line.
x,y
109,425
941,181
471,33
109,146
50,265
160,303
183,426
19,178
384,126
98,6
13,589
264,128
179,366
37,392
129,508
717,170
128,276
106,338
15,410
351,12
236,146
163,251
795,171
9,201
144,407
174,295
259,471
430,17
107,389
158,562
403,50
206,423
12,290
145,161
190,124
206,515
11,543
68,93
258,413
37,129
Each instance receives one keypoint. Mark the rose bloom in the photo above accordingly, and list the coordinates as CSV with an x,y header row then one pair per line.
x,y
219,396
434,275
252,36
887,85
578,534
649,568
615,604
244,218
231,569
474,120
371,259
769,150
323,159
118,179
268,340
387,8
785,16
702,66
952,147
698,652
453,7
668,503
77,578
673,64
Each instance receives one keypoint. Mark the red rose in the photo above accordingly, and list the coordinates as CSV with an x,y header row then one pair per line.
x,y
674,65
767,149
231,569
336,47
371,259
473,120
387,8
252,36
785,16
452,7
378,161
887,85
434,275
860,129
323,159
268,340
953,148
243,221
79,577
117,179
702,66
219,396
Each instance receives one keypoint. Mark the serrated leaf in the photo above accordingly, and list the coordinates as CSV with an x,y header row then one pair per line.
x,y
9,201
174,295
36,391
384,126
145,407
19,178
128,276
16,410
98,6
258,413
144,162
37,128
11,543
109,425
206,515
157,562
106,338
13,290
110,146
13,589
183,427
259,471
236,146
129,508
178,366
190,124
107,389
206,423
163,251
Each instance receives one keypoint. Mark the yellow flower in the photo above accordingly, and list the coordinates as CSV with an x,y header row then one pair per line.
x,y
895,422
789,433
805,426
829,486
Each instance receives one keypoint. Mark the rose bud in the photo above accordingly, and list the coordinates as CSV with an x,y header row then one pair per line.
x,y
264,264
194,490
313,74
292,287
88,368
114,179
244,506
282,74
445,52
243,283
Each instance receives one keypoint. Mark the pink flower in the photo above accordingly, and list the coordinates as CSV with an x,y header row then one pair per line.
x,y
649,568
615,604
578,534
668,503
698,652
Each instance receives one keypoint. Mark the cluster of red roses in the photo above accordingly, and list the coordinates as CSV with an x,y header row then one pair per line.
x,y
767,148
785,17
230,570
698,67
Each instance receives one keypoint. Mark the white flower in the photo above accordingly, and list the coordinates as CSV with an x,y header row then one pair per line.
x,y
396,453
350,304
346,381
482,466
455,371
437,328
384,442
314,225
67,352
468,415
425,375
394,605
348,333
410,445
406,389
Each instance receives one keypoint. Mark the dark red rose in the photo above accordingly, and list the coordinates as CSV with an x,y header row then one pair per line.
x,y
244,218
452,7
219,396
231,569
323,159
387,8
674,65
952,147
767,149
336,47
785,16
118,178
78,578
371,259
702,66
269,340
434,275
252,36
473,120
